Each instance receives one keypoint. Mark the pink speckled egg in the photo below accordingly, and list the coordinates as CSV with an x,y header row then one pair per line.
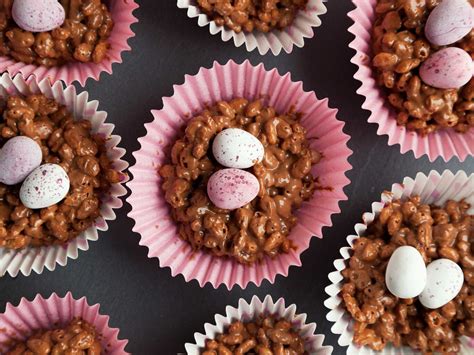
x,y
448,68
236,148
18,158
230,189
449,22
47,185
38,15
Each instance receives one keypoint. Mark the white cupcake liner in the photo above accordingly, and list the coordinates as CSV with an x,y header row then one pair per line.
x,y
247,312
433,189
31,259
274,41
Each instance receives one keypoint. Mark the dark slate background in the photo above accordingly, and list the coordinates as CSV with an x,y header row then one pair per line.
x,y
159,313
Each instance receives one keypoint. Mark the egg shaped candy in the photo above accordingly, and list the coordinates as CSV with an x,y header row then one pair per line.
x,y
449,22
405,276
38,15
449,68
236,148
444,281
18,158
47,185
230,189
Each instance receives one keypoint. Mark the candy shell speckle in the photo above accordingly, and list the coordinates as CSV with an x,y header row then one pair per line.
x,y
444,281
230,189
236,148
38,15
449,68
18,158
45,186
449,22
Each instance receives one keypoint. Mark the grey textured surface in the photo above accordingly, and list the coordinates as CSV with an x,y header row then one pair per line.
x,y
159,313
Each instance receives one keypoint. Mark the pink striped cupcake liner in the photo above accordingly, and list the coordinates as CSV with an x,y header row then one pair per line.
x,y
249,311
17,323
434,188
275,41
28,260
121,11
444,143
224,82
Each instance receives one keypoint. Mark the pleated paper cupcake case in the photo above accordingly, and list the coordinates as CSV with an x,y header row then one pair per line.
x,y
19,322
433,188
249,311
223,82
275,41
444,143
30,259
122,14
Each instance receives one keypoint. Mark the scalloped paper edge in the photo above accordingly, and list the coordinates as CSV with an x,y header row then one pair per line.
x,y
247,312
27,260
444,143
275,41
18,322
434,188
151,213
122,13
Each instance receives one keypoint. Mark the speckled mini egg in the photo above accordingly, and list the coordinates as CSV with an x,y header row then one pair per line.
x,y
47,185
230,189
18,158
448,68
38,15
449,22
444,281
405,276
236,148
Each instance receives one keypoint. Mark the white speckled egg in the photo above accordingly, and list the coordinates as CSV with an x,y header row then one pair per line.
x,y
236,148
47,185
405,276
445,279
18,158
448,68
230,189
38,15
449,22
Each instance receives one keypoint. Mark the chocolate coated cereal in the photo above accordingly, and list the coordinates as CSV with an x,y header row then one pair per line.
x,y
399,49
64,141
380,317
260,228
265,335
83,37
78,338
250,15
